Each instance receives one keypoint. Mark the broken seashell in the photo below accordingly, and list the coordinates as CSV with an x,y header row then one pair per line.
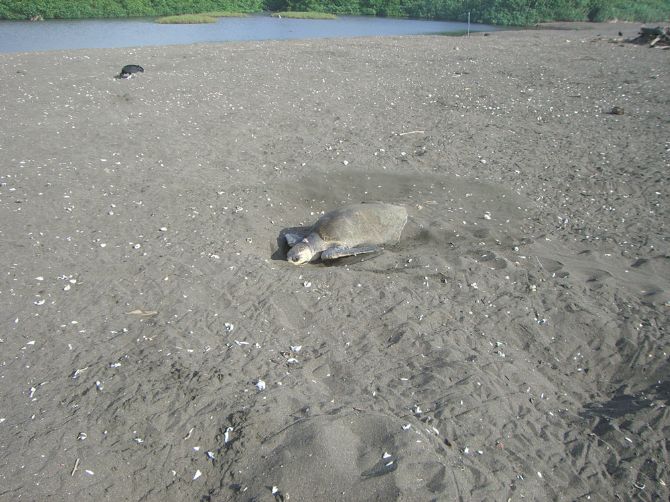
x,y
143,313
226,435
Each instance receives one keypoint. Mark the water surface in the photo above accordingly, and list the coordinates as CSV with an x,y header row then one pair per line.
x,y
26,36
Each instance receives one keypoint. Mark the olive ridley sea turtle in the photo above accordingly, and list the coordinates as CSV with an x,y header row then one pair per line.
x,y
347,231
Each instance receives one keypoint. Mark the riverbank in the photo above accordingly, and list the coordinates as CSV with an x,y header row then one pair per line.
x,y
483,12
513,345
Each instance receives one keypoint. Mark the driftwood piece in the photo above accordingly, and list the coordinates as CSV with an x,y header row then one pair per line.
x,y
654,37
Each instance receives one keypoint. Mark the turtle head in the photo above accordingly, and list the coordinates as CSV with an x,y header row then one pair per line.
x,y
300,253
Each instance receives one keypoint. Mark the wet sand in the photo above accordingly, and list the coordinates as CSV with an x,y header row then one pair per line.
x,y
512,345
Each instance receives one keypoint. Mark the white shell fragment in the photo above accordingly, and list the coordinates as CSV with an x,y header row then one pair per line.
x,y
197,474
78,372
260,385
226,435
228,326
296,348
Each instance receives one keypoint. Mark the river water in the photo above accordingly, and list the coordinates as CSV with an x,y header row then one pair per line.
x,y
26,36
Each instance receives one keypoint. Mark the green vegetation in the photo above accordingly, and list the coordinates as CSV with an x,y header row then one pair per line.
x,y
80,9
503,12
304,15
644,11
205,17
186,19
221,13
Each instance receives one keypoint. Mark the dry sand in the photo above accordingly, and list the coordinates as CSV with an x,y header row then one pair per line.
x,y
513,345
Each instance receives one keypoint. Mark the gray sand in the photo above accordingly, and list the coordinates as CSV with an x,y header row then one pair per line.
x,y
512,345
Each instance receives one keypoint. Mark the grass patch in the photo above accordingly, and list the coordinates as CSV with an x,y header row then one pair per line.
x,y
305,15
223,13
187,19
205,17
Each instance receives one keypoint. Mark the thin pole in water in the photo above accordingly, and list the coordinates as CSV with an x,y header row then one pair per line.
x,y
468,23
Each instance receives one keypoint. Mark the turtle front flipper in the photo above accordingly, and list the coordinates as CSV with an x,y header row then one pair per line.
x,y
341,251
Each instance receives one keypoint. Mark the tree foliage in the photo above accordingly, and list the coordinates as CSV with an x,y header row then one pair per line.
x,y
78,9
503,12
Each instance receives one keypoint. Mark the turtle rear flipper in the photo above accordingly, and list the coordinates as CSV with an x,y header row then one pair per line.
x,y
341,251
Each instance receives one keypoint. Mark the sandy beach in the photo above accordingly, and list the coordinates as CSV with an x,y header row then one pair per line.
x,y
156,345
